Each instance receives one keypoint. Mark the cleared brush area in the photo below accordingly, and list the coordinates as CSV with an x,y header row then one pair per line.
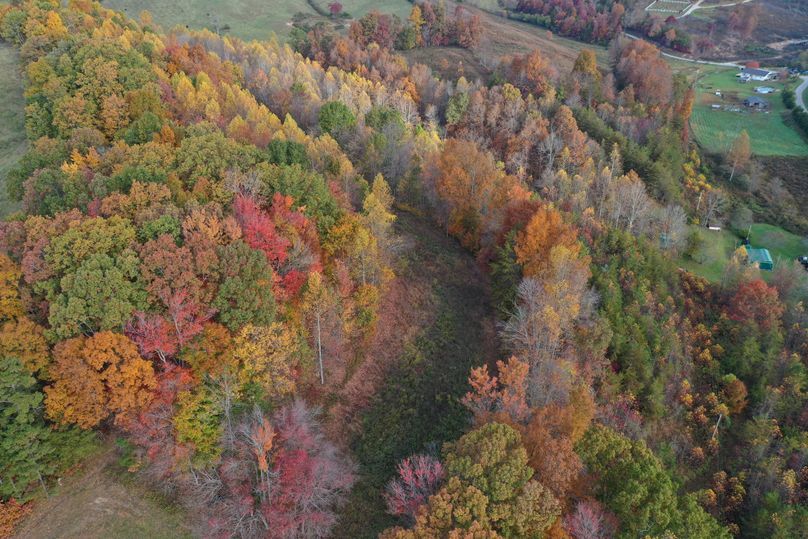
x,y
449,62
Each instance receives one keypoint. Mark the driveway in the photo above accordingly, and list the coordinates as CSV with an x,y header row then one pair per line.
x,y
800,93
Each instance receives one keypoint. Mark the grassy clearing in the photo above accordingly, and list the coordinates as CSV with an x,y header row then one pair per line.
x,y
502,37
13,142
97,501
417,407
716,251
782,245
506,37
247,19
719,245
716,129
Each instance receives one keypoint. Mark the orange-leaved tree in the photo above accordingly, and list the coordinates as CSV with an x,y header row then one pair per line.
x,y
98,377
545,230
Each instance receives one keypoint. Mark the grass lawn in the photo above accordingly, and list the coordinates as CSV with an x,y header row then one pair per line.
x,y
247,19
716,129
719,246
713,256
782,245
99,499
13,142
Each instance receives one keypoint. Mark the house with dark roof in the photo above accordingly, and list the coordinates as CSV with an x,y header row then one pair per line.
x,y
755,102
751,73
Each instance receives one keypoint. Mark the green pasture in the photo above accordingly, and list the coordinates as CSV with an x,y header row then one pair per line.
x,y
247,19
781,244
716,129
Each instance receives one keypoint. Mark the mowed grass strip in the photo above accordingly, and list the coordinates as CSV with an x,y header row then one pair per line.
x,y
715,129
13,142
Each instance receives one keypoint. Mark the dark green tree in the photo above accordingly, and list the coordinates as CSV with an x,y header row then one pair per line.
x,y
245,293
335,116
24,438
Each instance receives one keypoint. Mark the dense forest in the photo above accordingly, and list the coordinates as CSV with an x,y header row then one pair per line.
x,y
211,267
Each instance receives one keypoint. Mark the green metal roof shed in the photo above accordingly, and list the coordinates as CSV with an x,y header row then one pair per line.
x,y
760,258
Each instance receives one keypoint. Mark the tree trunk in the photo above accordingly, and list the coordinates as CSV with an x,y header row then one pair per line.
x,y
320,351
42,482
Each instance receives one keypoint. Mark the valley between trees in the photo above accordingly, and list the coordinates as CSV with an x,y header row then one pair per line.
x,y
442,297
312,289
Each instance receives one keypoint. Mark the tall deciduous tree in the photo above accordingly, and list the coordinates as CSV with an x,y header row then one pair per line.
x,y
267,357
318,306
504,394
98,377
25,340
493,460
419,477
457,510
377,206
739,152
545,230
758,303
10,304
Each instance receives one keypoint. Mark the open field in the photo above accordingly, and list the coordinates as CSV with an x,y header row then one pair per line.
x,y
715,129
420,392
94,502
247,19
448,62
12,121
782,245
502,37
720,244
505,37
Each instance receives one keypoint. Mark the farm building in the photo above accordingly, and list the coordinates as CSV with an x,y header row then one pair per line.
x,y
759,258
750,73
756,102
764,89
